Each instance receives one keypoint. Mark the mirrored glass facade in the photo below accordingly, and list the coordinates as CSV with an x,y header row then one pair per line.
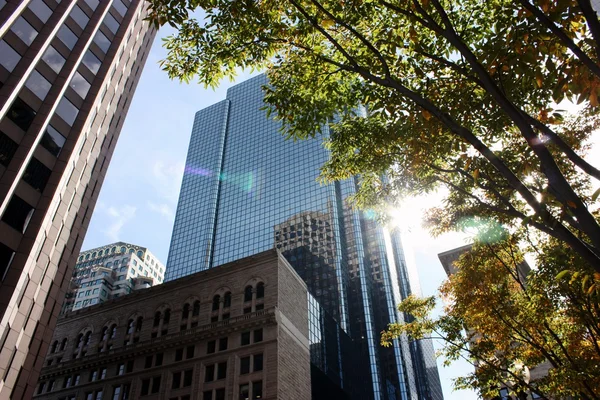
x,y
246,189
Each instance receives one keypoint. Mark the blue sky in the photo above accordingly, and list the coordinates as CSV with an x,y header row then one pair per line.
x,y
138,199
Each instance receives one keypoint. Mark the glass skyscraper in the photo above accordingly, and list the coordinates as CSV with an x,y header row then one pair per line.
x,y
246,189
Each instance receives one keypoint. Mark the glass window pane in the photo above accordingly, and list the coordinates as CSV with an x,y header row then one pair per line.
x,y
92,3
37,174
67,37
10,57
40,9
53,141
53,59
24,30
112,23
91,61
18,214
102,41
38,84
67,111
80,85
121,8
21,114
8,147
80,17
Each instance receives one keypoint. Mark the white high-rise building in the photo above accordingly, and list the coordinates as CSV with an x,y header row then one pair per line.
x,y
111,271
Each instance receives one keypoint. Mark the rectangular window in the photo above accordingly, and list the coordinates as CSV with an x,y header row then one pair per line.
x,y
179,354
220,394
189,353
187,377
159,360
258,335
257,390
8,147
176,380
222,370
148,363
38,84
258,363
37,175
209,374
155,384
53,141
10,58
102,41
67,111
111,23
244,391
40,9
67,37
21,114
79,17
120,369
245,338
207,395
80,85
145,387
211,347
18,213
120,7
24,30
244,365
222,344
91,61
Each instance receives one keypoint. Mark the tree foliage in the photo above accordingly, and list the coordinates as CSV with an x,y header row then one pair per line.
x,y
461,94
514,320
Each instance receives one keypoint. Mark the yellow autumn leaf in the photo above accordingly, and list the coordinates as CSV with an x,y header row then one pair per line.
x,y
426,115
327,23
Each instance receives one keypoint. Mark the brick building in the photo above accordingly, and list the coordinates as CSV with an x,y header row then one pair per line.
x,y
239,331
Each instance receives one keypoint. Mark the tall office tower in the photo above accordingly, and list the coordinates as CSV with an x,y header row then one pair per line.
x,y
245,189
111,271
68,71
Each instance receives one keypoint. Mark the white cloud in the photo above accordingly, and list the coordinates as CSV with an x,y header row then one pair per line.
x,y
163,209
167,179
117,218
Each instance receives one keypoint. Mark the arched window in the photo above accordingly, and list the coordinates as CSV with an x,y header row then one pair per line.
x,y
131,251
227,299
156,318
248,293
63,344
123,249
88,337
196,310
105,333
100,253
87,256
186,311
260,290
215,303
54,346
94,255
79,342
113,249
138,324
167,316
140,254
113,331
130,326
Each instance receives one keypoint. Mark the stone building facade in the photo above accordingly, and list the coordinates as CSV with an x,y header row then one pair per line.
x,y
239,331
68,72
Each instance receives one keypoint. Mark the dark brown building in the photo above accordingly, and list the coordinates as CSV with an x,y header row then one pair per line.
x,y
68,70
239,331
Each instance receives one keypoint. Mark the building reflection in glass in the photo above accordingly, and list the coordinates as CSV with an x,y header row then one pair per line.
x,y
246,189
